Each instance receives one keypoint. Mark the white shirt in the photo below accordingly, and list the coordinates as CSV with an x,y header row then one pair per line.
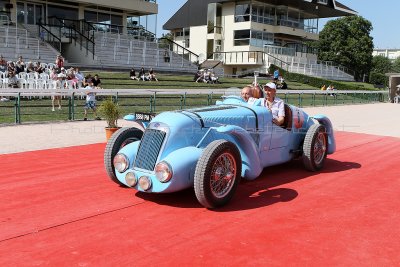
x,y
277,108
91,96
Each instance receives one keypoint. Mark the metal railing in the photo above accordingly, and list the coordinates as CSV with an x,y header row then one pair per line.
x,y
169,45
49,37
72,30
29,106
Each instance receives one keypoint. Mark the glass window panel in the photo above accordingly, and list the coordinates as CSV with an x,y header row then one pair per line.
x,y
242,34
20,12
62,12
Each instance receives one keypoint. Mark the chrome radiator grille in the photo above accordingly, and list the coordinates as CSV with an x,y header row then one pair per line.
x,y
149,149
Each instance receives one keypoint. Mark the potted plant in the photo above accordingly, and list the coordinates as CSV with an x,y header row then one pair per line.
x,y
110,111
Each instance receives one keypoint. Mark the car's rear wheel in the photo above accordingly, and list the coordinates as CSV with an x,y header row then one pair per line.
x,y
217,174
118,140
315,147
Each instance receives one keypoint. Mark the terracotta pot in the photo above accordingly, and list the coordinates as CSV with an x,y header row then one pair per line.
x,y
110,131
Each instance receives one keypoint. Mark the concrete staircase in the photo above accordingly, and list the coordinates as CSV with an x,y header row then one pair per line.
x,y
15,42
123,51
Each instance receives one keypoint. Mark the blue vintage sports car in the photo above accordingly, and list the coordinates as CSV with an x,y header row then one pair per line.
x,y
211,148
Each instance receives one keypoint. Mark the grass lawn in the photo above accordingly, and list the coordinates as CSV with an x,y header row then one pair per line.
x,y
40,109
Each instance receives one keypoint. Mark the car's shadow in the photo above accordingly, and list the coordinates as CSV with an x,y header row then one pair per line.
x,y
266,190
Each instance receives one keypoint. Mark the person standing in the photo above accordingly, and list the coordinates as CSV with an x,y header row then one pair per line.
x,y
90,101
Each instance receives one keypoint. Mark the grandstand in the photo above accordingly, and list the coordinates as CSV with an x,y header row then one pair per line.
x,y
89,34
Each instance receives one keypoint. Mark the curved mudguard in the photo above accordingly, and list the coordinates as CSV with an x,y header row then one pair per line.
x,y
251,165
322,119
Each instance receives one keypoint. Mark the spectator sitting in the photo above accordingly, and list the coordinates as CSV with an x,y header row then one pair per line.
x,y
152,75
71,77
200,76
331,89
323,87
281,84
30,67
87,79
142,75
213,78
3,64
79,76
21,62
132,75
38,68
19,67
96,81
11,68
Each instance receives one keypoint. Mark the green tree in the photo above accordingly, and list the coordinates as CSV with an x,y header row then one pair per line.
x,y
396,65
347,41
381,64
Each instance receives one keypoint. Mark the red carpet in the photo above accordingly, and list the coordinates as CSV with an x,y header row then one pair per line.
x,y
58,208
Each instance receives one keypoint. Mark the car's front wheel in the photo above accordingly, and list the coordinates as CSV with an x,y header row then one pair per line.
x,y
315,147
217,174
118,140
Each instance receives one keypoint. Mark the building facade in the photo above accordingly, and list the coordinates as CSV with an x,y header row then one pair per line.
x,y
116,15
242,33
391,54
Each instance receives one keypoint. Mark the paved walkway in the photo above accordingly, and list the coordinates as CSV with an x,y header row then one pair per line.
x,y
377,119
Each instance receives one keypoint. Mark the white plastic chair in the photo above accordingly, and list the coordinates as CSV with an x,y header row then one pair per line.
x,y
41,84
44,76
31,84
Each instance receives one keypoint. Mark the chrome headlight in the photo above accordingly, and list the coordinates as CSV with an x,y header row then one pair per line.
x,y
130,179
163,172
145,183
121,162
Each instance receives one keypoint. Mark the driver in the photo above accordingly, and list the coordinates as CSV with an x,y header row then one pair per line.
x,y
274,104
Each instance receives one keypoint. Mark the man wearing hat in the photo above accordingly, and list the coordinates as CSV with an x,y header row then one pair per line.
x,y
274,104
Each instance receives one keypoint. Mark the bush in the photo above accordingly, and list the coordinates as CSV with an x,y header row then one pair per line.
x,y
111,112
378,78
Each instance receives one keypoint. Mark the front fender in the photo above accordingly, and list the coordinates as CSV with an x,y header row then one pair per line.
x,y
183,163
322,119
251,165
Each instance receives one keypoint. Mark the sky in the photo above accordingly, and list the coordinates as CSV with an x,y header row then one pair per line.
x,y
384,16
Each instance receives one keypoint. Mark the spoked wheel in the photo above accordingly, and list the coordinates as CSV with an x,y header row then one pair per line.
x,y
217,174
118,140
315,147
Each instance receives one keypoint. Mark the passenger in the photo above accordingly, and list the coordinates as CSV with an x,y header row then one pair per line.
x,y
246,93
274,104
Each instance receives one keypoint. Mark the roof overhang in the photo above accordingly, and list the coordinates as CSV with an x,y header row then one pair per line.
x,y
194,12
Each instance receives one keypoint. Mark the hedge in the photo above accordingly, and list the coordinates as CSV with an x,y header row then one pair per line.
x,y
314,81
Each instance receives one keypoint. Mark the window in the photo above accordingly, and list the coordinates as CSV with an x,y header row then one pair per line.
x,y
242,13
241,37
260,39
62,12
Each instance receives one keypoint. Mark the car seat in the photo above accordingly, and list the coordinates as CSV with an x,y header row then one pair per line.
x,y
287,123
